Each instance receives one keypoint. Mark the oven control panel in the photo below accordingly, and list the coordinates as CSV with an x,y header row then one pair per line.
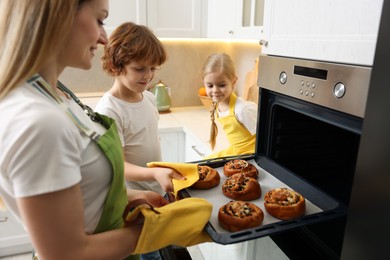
x,y
336,86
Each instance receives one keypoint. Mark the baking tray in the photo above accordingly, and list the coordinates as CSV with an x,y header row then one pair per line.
x,y
320,207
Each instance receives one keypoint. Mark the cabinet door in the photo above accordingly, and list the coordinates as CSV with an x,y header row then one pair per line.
x,y
221,24
13,238
240,19
172,145
125,11
195,150
326,30
174,18
249,21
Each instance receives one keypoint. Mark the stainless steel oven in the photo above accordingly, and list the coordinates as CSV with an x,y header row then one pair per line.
x,y
310,123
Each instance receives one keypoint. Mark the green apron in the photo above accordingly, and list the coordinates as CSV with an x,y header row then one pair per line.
x,y
109,143
116,200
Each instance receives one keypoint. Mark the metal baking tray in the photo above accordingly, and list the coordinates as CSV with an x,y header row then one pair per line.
x,y
319,206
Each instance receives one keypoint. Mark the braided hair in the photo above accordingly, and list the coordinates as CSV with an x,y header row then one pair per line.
x,y
218,62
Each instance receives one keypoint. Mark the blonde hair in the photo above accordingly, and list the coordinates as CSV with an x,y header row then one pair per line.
x,y
31,32
131,42
218,62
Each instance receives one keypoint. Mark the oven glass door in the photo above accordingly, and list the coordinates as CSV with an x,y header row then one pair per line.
x,y
317,144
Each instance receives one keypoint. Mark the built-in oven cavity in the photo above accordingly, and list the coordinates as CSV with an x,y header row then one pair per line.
x,y
319,145
320,152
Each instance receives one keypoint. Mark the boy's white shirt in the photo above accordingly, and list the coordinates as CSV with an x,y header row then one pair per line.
x,y
137,125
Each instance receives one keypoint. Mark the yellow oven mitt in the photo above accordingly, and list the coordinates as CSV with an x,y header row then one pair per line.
x,y
180,223
188,170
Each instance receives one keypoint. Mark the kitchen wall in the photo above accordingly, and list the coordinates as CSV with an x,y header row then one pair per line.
x,y
181,72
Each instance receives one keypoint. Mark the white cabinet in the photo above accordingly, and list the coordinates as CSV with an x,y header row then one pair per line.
x,y
225,19
326,30
175,18
172,141
125,11
238,19
195,150
180,145
262,248
13,238
166,18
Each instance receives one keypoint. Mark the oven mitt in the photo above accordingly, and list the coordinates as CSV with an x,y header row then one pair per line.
x,y
180,223
188,170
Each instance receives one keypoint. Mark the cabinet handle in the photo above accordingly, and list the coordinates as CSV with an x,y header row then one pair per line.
x,y
197,151
263,43
3,219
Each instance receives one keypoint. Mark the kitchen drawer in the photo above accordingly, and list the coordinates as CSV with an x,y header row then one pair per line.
x,y
13,237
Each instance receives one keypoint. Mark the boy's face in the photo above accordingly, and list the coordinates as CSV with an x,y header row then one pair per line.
x,y
137,76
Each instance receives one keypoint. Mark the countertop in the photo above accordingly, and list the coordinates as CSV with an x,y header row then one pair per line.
x,y
194,120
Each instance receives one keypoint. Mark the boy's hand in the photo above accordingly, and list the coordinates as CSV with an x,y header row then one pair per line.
x,y
164,177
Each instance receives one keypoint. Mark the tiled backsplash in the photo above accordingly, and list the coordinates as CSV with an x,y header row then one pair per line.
x,y
181,72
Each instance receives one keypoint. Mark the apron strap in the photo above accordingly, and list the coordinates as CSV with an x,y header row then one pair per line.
x,y
42,86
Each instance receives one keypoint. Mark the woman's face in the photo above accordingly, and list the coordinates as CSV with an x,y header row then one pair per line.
x,y
86,34
218,87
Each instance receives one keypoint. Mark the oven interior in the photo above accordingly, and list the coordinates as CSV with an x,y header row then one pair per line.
x,y
319,145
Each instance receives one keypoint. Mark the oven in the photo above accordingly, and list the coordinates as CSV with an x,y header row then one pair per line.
x,y
310,122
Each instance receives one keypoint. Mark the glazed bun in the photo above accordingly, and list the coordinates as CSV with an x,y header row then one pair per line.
x,y
283,203
238,215
240,166
208,178
241,187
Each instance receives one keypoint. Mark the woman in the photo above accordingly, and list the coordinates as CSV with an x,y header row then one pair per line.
x,y
61,173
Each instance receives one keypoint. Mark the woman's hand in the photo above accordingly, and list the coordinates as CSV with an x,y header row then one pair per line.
x,y
164,177
55,222
138,197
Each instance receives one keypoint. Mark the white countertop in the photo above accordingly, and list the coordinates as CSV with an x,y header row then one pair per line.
x,y
194,120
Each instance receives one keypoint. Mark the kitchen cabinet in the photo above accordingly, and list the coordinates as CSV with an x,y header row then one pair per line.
x,y
13,238
175,18
125,11
166,18
326,30
172,142
238,19
262,248
180,145
195,150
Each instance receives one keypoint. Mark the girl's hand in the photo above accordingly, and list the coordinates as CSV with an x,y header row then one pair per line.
x,y
164,177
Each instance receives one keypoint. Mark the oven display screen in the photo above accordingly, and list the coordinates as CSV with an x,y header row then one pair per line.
x,y
311,72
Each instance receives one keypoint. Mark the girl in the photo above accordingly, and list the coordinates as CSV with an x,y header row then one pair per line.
x,y
237,117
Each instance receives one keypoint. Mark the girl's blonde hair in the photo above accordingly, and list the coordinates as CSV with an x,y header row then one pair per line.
x,y
218,62
31,33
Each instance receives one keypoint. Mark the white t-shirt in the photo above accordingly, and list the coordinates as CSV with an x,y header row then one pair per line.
x,y
43,151
137,125
246,114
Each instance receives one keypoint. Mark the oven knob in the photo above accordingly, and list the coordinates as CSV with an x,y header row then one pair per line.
x,y
283,77
339,90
